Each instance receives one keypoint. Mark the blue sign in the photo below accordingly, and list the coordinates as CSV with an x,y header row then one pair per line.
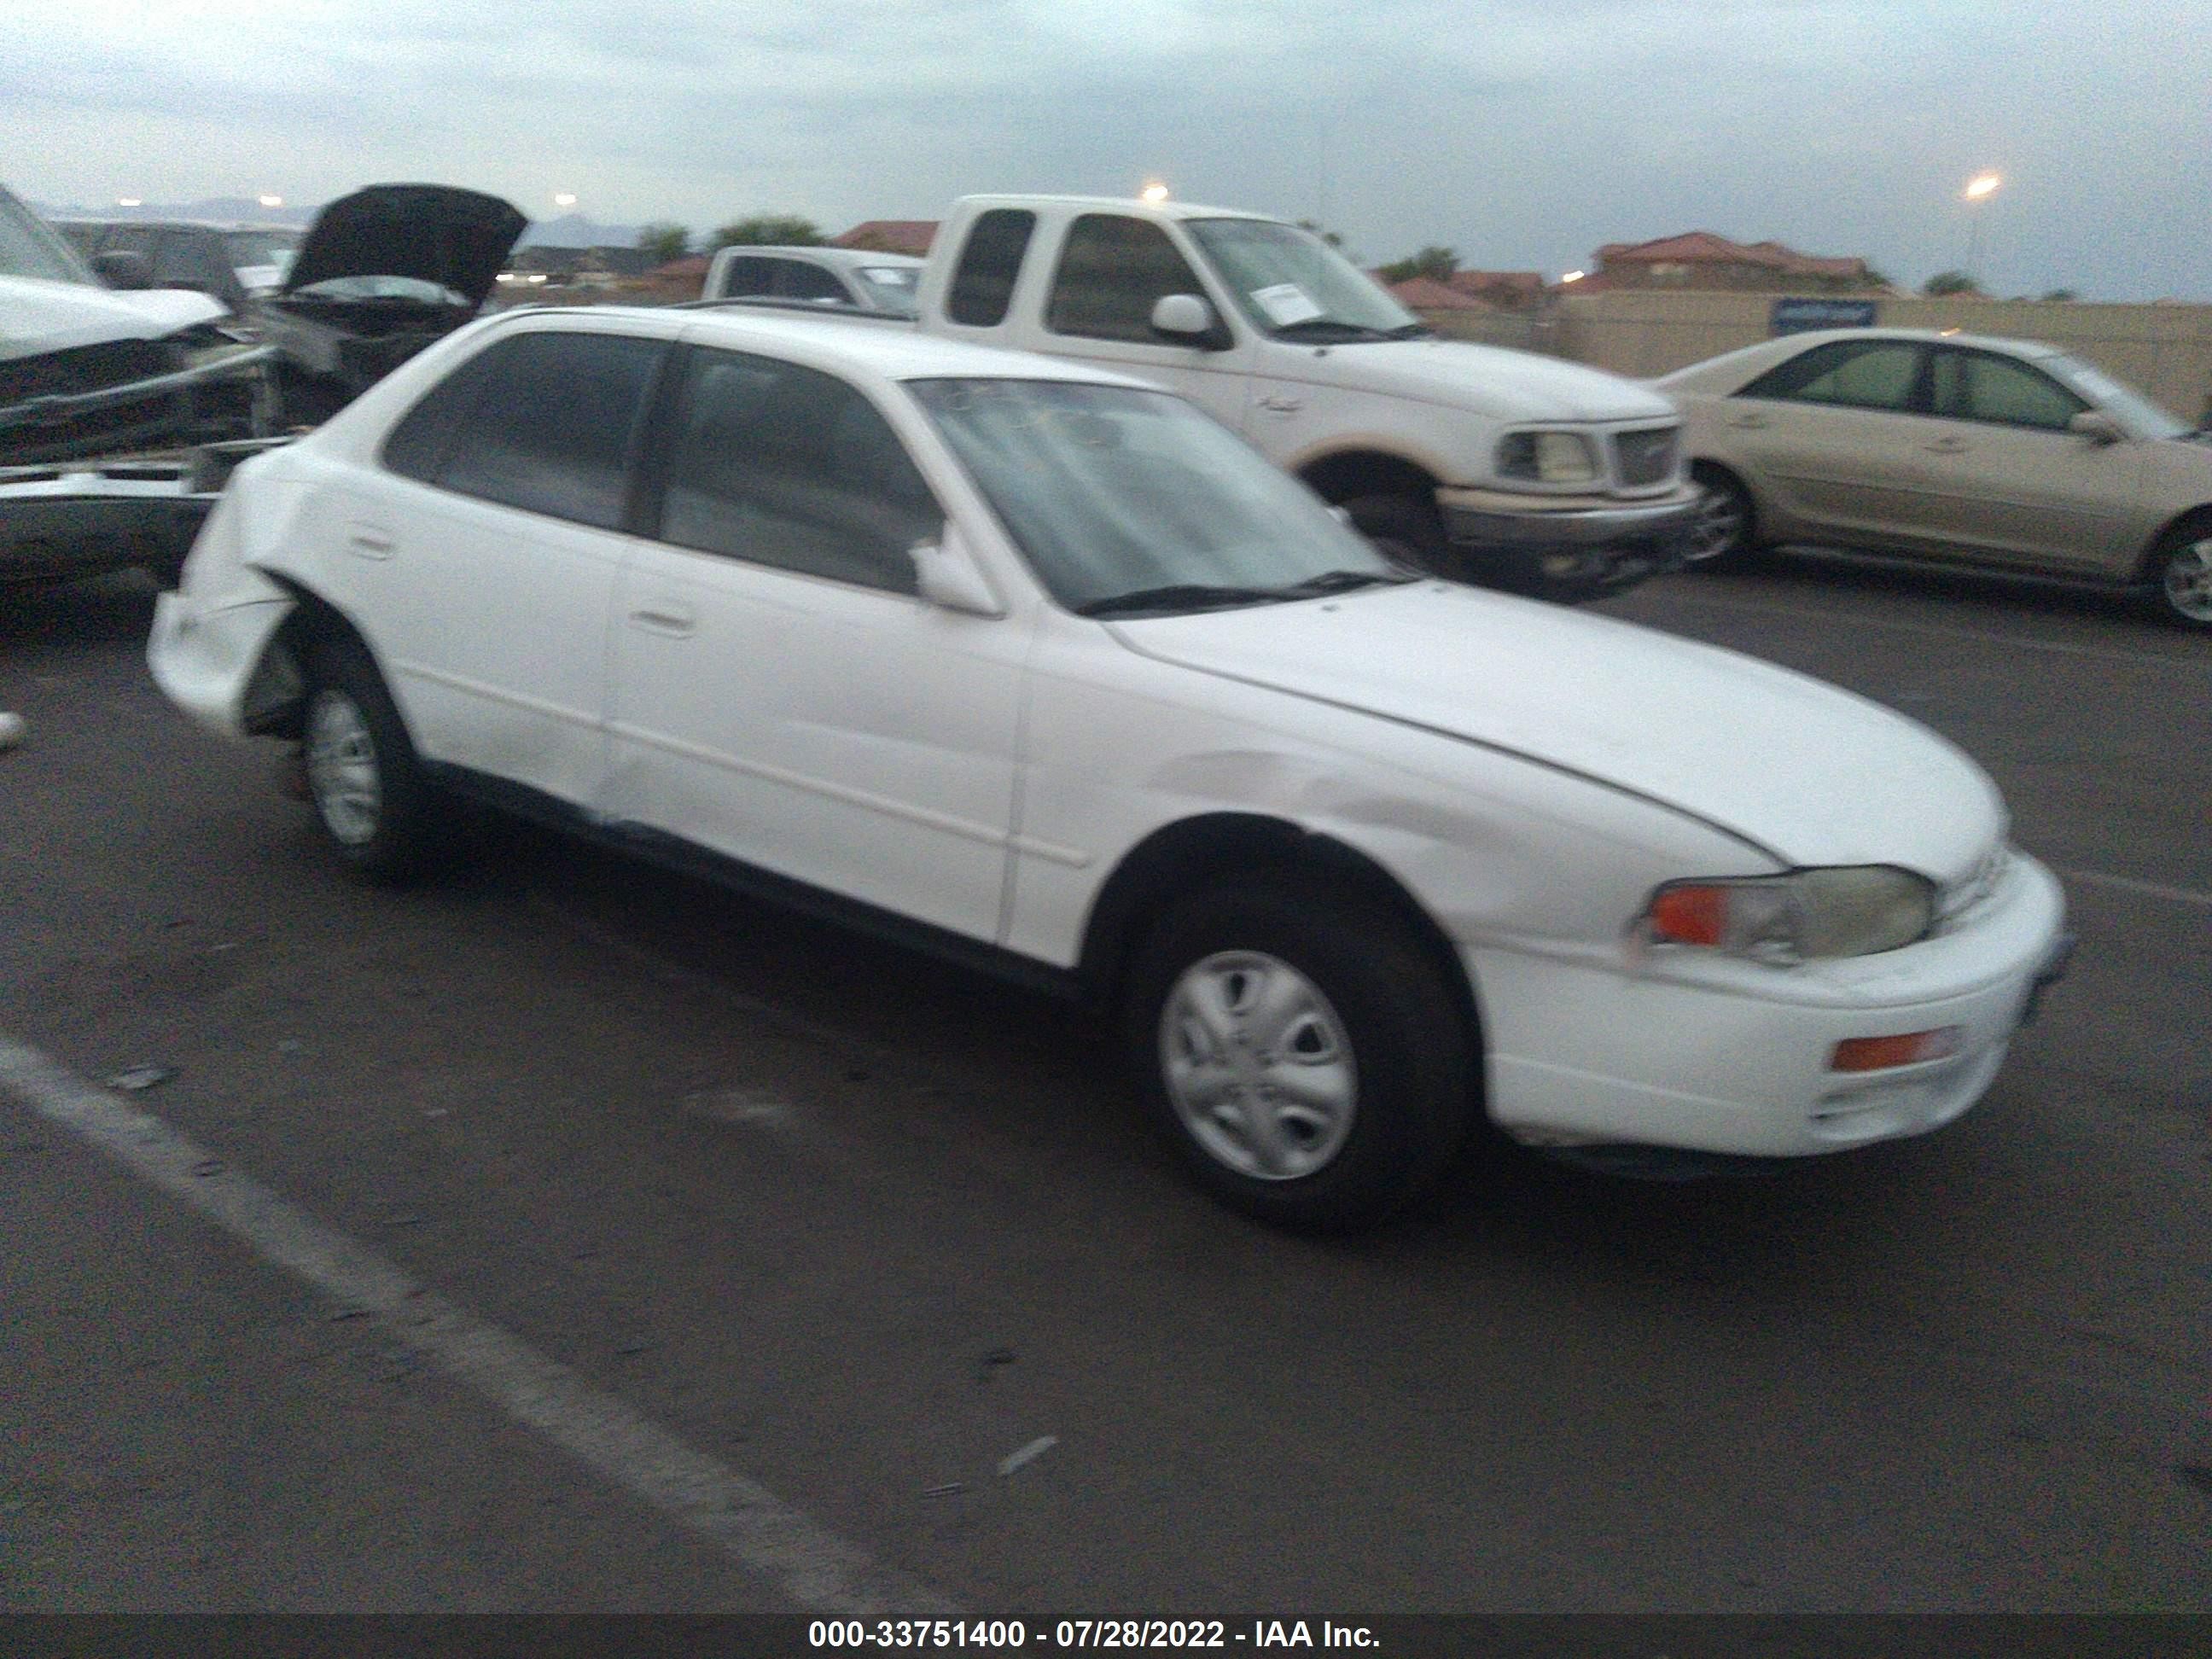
x,y
1795,316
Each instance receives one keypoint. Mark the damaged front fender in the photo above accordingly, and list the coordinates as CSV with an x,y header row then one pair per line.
x,y
221,662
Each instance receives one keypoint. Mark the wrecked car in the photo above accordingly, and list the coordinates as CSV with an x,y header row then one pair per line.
x,y
381,274
101,394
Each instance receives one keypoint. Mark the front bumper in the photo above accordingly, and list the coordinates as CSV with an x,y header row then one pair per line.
x,y
74,519
1732,1057
1572,549
229,396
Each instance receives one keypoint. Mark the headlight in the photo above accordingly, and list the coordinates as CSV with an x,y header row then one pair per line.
x,y
1547,458
1854,911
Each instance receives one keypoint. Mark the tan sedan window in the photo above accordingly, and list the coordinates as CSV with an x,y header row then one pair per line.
x,y
1979,386
1872,374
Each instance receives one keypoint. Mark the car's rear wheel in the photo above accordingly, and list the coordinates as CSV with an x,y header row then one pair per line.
x,y
1301,1052
2181,575
1724,531
377,809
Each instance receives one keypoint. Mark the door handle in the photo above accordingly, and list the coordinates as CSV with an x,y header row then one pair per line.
x,y
1280,406
1947,446
369,541
1747,422
674,620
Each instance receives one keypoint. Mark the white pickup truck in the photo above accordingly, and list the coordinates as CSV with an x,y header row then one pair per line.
x,y
1502,467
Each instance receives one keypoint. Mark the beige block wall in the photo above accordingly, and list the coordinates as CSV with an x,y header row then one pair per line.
x,y
2165,351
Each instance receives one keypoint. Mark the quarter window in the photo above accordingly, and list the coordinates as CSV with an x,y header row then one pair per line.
x,y
548,426
1979,386
801,280
1112,271
748,277
983,286
786,466
1852,374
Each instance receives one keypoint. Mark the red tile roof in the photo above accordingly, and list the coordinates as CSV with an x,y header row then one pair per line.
x,y
1527,282
889,235
1704,247
1426,294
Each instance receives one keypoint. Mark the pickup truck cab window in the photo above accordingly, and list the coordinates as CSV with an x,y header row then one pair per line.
x,y
1291,284
552,427
1113,270
799,281
983,286
786,466
748,277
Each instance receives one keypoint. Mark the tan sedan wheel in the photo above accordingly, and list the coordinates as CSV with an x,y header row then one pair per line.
x,y
2184,576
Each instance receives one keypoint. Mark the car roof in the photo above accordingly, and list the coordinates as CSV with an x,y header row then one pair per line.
x,y
889,348
1930,335
223,224
1119,204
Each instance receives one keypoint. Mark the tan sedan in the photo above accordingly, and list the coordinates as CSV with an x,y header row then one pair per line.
x,y
2005,453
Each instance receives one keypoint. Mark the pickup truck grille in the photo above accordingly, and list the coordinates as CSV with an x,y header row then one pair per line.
x,y
83,368
1645,457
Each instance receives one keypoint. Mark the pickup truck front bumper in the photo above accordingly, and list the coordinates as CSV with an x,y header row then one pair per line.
x,y
1577,547
80,518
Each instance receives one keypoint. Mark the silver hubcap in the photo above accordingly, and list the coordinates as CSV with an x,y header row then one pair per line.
x,y
1258,1067
2189,581
342,767
1719,527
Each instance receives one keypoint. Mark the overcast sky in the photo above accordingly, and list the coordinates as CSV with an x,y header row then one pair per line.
x,y
1521,133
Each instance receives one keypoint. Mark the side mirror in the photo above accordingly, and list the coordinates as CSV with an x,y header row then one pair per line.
x,y
120,269
1186,320
2096,426
947,575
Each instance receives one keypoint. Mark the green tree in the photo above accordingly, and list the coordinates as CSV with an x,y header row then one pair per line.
x,y
1945,283
1334,238
2063,294
664,240
768,230
1434,263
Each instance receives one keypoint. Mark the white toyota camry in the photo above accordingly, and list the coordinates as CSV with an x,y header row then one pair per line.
x,y
1040,668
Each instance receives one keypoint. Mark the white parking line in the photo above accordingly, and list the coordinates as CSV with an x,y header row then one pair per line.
x,y
2150,888
820,1573
1938,630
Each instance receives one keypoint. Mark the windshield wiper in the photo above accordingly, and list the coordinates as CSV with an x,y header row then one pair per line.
x,y
1177,596
1410,331
1343,581
1332,332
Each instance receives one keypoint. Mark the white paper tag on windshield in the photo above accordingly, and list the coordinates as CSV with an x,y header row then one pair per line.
x,y
1284,303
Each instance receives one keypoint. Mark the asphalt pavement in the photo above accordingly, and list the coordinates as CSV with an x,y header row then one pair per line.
x,y
766,1268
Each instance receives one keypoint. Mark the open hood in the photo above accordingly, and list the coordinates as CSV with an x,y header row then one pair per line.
x,y
433,233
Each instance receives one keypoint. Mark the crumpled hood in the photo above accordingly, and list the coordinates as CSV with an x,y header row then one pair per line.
x,y
458,239
1493,380
1807,771
38,316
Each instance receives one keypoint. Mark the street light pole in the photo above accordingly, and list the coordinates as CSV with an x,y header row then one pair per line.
x,y
1979,189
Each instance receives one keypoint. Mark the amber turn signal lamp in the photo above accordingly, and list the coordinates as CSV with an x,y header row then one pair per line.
x,y
1907,1048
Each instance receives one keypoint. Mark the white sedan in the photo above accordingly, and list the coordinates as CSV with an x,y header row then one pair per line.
x,y
1039,668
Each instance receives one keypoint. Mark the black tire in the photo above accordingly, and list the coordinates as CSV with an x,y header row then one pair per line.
x,y
1407,529
2180,570
1727,531
375,807
1382,1002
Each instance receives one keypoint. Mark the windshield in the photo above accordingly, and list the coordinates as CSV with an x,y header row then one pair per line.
x,y
30,247
1293,285
2142,417
1114,493
892,287
261,248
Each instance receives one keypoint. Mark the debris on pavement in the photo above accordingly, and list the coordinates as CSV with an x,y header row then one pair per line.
x,y
992,1361
1028,1453
208,1166
945,1491
12,727
732,1105
141,1076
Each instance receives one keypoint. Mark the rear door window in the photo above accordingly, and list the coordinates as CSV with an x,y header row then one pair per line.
x,y
1980,385
1851,374
550,426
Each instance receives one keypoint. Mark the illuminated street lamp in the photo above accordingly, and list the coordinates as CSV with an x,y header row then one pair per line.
x,y
129,201
1979,189
565,198
272,201
1573,277
1154,192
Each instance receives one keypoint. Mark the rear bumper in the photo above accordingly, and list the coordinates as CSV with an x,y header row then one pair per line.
x,y
1573,550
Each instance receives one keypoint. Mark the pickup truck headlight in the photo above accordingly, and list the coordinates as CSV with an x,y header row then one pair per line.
x,y
1848,911
1547,458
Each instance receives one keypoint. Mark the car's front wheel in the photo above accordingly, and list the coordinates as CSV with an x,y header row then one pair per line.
x,y
1301,1052
2181,575
376,808
1723,532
